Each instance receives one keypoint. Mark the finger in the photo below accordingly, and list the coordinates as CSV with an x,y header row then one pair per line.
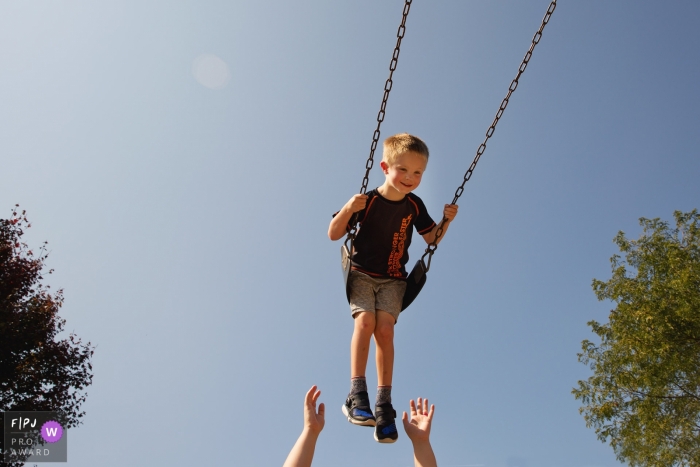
x,y
322,410
413,408
404,419
425,406
419,405
432,412
310,395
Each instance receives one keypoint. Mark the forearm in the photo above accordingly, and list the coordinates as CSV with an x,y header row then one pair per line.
x,y
430,236
302,454
423,455
339,224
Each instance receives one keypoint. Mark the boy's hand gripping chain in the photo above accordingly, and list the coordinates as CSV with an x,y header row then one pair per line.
x,y
430,250
417,277
346,249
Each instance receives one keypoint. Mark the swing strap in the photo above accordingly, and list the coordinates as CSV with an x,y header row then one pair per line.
x,y
430,250
380,118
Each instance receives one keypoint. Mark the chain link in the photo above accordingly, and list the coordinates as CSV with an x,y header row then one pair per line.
x,y
430,250
380,116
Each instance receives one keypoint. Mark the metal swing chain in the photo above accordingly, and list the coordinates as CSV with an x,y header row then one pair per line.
x,y
430,250
380,116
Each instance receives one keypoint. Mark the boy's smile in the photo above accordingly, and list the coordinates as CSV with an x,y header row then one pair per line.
x,y
403,175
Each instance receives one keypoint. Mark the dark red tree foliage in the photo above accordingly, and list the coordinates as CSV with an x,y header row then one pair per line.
x,y
41,369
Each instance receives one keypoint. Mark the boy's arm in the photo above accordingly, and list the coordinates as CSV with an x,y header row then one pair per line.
x,y
302,454
449,213
338,227
418,431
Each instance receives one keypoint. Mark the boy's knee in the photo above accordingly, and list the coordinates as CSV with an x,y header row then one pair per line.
x,y
384,332
365,322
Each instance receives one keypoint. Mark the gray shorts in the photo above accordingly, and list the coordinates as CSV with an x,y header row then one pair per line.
x,y
375,293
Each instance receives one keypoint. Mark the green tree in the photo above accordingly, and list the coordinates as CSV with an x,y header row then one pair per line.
x,y
644,394
39,369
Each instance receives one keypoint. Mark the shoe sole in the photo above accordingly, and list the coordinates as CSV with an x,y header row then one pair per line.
x,y
368,422
385,440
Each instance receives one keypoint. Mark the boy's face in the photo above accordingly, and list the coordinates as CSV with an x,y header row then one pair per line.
x,y
404,175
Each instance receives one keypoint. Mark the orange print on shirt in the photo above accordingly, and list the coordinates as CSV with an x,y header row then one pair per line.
x,y
397,248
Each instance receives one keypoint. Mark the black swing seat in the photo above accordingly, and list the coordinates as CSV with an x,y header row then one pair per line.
x,y
414,282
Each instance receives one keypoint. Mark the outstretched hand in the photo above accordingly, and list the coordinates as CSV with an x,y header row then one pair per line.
x,y
302,454
418,428
313,420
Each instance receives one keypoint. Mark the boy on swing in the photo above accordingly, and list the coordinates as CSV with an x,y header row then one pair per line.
x,y
377,280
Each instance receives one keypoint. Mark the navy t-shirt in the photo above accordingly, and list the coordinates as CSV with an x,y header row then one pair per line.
x,y
386,227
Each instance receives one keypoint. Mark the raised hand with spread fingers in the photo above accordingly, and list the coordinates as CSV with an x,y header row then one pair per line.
x,y
418,431
302,454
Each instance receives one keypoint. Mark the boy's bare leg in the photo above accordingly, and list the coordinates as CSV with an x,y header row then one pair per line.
x,y
357,407
359,345
385,428
384,339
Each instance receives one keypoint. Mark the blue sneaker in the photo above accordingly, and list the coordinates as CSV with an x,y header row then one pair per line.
x,y
385,431
356,408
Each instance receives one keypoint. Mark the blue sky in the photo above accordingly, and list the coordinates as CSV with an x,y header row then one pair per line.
x,y
183,160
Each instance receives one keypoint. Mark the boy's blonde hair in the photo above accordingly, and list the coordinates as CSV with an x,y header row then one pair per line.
x,y
396,145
